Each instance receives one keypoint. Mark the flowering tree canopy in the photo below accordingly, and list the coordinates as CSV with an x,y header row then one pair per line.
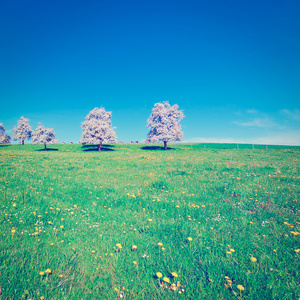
x,y
164,123
97,128
2,129
23,130
44,136
4,138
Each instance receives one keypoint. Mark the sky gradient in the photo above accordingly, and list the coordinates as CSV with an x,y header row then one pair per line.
x,y
233,67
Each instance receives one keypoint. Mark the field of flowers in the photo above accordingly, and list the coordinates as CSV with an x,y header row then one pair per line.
x,y
137,222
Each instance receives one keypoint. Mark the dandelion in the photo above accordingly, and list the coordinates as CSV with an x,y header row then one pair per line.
x,y
163,249
119,246
166,279
297,250
135,262
160,244
150,220
232,250
134,247
159,275
253,259
174,274
61,275
42,273
240,287
190,239
48,271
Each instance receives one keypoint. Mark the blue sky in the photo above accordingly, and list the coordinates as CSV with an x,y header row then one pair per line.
x,y
233,67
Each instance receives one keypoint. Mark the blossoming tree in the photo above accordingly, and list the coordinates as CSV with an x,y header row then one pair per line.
x,y
164,123
97,128
23,130
44,136
4,138
2,132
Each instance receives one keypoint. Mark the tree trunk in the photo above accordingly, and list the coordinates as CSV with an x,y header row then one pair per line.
x,y
45,147
165,145
99,147
22,142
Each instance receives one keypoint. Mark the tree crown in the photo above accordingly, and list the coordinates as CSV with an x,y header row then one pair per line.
x,y
164,123
43,135
97,127
23,130
4,138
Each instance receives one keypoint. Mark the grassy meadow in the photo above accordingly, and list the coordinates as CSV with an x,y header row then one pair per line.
x,y
137,222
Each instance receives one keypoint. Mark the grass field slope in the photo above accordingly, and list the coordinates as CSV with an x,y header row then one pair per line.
x,y
138,222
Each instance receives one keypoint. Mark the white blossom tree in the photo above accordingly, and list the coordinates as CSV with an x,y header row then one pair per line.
x,y
164,123
2,129
45,136
4,138
23,131
97,128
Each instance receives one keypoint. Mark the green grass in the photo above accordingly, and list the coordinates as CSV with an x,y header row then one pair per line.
x,y
66,210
